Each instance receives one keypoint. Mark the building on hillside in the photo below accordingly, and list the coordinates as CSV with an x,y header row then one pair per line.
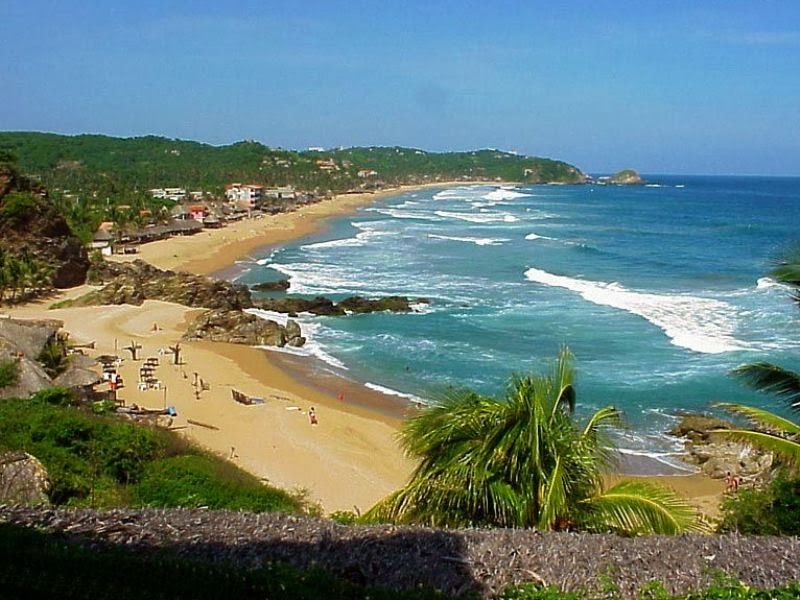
x,y
367,173
244,195
327,164
174,194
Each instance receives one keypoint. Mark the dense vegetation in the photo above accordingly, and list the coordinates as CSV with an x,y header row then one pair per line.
x,y
34,564
521,461
110,167
101,461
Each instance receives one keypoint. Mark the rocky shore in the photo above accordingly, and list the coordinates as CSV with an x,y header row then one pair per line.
x,y
716,456
237,327
455,561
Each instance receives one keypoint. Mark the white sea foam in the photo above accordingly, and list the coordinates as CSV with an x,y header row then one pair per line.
x,y
404,214
360,239
263,261
309,328
390,392
699,324
534,236
504,194
765,283
474,240
481,218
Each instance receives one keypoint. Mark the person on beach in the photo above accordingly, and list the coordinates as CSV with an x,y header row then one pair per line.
x,y
731,482
312,416
340,397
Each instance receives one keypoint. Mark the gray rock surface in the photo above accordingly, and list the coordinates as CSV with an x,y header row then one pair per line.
x,y
23,479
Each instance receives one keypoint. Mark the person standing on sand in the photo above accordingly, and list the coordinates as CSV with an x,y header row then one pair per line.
x,y
312,416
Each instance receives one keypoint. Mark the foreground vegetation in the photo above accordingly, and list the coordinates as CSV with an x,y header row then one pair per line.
x,y
34,563
102,461
521,461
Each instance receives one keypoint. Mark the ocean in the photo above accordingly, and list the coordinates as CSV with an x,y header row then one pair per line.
x,y
658,290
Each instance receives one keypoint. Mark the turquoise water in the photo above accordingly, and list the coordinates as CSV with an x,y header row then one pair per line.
x,y
658,291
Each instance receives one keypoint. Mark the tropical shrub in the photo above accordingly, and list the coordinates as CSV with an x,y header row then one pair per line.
x,y
522,461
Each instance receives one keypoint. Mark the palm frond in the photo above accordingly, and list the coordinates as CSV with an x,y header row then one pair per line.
x,y
788,449
554,498
766,377
762,418
641,508
786,266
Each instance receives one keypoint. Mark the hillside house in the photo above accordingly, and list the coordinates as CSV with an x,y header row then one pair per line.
x,y
244,195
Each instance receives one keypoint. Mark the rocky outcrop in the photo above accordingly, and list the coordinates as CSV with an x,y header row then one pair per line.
x,y
627,177
21,342
133,283
714,455
281,285
31,226
23,479
237,327
323,306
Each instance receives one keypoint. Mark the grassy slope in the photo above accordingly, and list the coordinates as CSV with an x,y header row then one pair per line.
x,y
102,461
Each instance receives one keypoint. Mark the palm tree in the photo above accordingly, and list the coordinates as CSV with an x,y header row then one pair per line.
x,y
521,461
773,433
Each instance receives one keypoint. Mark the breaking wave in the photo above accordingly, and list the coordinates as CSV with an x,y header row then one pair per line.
x,y
474,240
699,324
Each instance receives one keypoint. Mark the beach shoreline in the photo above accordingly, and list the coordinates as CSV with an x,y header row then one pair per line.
x,y
348,462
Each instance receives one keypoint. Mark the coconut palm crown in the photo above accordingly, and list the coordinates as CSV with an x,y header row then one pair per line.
x,y
522,461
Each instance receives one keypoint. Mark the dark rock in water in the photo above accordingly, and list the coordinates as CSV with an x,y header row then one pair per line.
x,y
271,286
316,306
237,327
627,177
23,479
323,306
296,342
133,283
359,305
698,427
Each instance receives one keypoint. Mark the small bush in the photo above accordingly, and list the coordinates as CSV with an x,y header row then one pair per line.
x,y
8,373
17,207
774,510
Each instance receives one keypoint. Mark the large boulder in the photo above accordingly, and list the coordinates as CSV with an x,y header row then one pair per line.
x,y
133,283
716,456
23,479
237,327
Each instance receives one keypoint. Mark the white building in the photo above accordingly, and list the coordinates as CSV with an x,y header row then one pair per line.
x,y
174,194
244,195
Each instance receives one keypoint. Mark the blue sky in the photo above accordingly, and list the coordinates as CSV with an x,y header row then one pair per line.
x,y
664,87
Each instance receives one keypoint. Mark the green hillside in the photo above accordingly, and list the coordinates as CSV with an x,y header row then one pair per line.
x,y
110,166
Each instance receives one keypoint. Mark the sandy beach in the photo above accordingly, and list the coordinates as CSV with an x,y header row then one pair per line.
x,y
349,460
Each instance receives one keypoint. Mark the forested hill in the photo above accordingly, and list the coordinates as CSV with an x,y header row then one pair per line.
x,y
107,164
